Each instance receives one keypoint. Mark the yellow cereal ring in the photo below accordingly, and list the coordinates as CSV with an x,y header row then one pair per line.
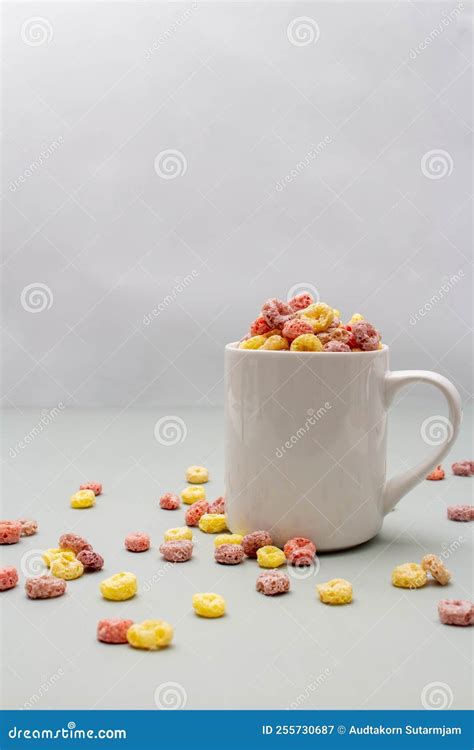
x,y
319,316
356,318
273,332
228,539
150,634
275,343
213,523
336,591
83,499
408,576
66,569
255,342
209,605
119,587
270,557
178,534
51,554
191,495
307,342
197,475
337,313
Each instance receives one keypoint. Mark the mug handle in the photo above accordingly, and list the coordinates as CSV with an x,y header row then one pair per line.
x,y
396,487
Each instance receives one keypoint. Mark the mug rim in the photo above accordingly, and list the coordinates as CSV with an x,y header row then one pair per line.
x,y
234,346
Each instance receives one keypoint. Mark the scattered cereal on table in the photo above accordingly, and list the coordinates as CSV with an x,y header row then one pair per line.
x,y
456,612
409,575
195,511
229,554
218,506
460,512
44,587
270,556
96,487
150,634
197,474
178,551
296,543
119,587
273,582
177,534
432,564
213,523
462,468
74,542
67,569
168,501
91,560
228,539
113,630
335,591
28,526
10,532
52,554
193,494
253,541
83,499
209,605
138,541
8,578
437,474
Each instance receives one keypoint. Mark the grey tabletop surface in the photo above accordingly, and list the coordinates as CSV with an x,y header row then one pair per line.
x,y
385,650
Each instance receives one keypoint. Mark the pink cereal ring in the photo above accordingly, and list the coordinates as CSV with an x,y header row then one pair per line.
x,y
296,327
44,587
276,313
195,511
460,512
8,578
366,337
28,526
91,560
218,506
75,542
168,501
113,630
252,542
259,327
229,554
96,487
462,468
336,346
137,542
273,582
177,551
301,301
10,532
298,541
456,612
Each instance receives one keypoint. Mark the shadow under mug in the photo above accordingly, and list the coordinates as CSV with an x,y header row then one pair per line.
x,y
306,442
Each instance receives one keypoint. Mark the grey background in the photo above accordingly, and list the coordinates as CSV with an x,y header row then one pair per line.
x,y
222,84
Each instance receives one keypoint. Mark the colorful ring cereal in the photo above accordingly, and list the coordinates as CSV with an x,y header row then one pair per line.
x,y
137,542
366,337
113,630
66,569
28,526
83,499
319,316
119,587
256,539
218,506
197,474
298,542
168,501
410,575
8,578
254,342
296,327
275,343
456,612
432,564
307,342
356,318
44,587
276,313
462,468
178,534
336,346
213,523
74,542
460,512
209,605
229,554
91,560
96,487
301,301
228,539
273,582
437,474
53,554
259,327
270,556
150,634
10,532
179,551
191,495
195,511
336,591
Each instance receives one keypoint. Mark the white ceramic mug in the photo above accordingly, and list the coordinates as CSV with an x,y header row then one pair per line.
x,y
306,436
